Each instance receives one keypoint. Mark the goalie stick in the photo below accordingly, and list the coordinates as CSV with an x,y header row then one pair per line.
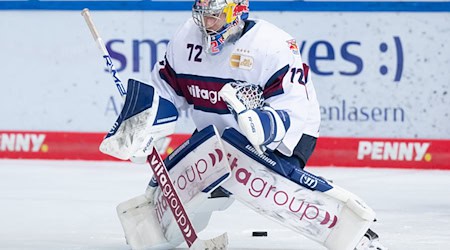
x,y
158,167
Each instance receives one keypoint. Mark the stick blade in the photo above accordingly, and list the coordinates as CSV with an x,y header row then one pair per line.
x,y
218,243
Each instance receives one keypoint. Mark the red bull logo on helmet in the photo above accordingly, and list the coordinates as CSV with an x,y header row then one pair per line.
x,y
238,9
233,10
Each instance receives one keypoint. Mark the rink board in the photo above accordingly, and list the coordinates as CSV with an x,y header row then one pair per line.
x,y
330,151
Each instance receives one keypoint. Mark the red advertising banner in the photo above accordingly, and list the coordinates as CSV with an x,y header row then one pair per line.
x,y
330,151
382,153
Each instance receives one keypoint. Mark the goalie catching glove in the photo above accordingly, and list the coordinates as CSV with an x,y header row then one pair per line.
x,y
263,126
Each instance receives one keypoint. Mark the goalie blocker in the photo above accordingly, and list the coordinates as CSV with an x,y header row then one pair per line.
x,y
303,202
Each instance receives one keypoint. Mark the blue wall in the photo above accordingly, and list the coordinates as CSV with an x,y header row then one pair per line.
x,y
372,6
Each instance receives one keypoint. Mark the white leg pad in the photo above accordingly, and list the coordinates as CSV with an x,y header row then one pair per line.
x,y
349,231
333,217
199,165
199,210
143,229
140,224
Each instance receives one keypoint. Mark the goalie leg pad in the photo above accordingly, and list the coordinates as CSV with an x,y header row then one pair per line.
x,y
303,202
197,168
140,219
200,210
140,224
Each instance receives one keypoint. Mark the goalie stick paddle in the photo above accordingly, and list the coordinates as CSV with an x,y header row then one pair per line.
x,y
159,169
179,213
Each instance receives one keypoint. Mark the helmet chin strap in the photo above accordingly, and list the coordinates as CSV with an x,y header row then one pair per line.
x,y
207,39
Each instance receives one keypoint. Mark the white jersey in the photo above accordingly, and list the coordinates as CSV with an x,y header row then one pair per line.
x,y
264,55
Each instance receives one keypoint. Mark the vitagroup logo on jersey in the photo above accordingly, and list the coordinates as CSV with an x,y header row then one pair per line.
x,y
205,94
22,142
395,151
241,61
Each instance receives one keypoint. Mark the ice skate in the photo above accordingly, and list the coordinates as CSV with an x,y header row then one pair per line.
x,y
370,241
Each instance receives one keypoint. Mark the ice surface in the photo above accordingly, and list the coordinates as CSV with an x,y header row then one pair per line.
x,y
71,205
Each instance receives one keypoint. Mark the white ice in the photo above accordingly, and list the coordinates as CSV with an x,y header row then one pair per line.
x,y
71,205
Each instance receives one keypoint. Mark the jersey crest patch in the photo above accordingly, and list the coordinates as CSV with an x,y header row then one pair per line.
x,y
293,46
241,61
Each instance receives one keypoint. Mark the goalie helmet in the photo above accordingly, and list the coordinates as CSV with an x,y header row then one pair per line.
x,y
228,15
